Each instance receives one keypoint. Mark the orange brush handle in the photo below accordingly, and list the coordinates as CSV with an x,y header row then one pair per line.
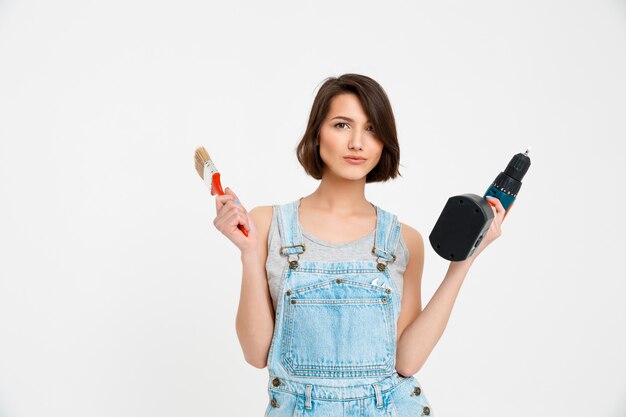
x,y
216,185
216,188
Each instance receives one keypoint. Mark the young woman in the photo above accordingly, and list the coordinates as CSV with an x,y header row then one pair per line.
x,y
331,289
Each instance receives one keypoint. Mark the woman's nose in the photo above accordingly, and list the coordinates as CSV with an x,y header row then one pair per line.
x,y
356,140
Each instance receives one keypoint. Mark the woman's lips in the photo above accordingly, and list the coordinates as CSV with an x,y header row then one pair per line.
x,y
354,161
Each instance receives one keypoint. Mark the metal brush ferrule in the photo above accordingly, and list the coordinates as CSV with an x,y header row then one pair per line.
x,y
209,170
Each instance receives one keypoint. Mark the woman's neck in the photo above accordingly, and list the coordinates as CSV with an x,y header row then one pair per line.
x,y
340,196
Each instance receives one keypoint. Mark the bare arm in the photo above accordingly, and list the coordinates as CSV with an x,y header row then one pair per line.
x,y
420,337
419,331
255,315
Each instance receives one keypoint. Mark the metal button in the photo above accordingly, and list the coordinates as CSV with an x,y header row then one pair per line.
x,y
274,403
288,293
416,391
338,280
293,301
384,300
426,411
388,291
276,382
293,264
380,266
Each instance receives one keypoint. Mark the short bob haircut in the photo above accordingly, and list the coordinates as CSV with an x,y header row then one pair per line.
x,y
377,107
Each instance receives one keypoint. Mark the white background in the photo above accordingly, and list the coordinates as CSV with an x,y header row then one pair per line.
x,y
117,294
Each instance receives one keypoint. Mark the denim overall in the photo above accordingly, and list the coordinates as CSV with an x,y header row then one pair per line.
x,y
333,350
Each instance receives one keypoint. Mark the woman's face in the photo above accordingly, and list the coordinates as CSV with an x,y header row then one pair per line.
x,y
346,131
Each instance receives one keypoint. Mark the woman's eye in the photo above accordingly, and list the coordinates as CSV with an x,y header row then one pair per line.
x,y
341,124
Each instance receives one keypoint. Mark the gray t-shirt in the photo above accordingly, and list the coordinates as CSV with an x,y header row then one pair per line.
x,y
319,250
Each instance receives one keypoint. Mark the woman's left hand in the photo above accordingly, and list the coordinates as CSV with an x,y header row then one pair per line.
x,y
494,231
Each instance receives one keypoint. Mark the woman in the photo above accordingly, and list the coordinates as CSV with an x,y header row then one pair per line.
x,y
331,290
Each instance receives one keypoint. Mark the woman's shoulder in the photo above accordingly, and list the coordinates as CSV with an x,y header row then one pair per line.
x,y
410,232
262,216
413,241
410,235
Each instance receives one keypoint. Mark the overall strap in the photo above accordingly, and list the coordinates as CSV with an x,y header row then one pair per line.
x,y
292,243
387,237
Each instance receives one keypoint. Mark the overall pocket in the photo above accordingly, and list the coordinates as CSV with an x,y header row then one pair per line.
x,y
339,328
408,400
281,404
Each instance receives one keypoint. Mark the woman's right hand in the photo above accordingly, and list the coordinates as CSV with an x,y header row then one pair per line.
x,y
230,214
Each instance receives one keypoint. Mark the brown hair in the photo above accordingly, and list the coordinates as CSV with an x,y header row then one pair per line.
x,y
377,107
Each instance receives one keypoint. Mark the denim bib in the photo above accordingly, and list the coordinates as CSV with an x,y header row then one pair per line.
x,y
333,350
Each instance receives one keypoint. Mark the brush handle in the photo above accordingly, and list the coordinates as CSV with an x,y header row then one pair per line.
x,y
216,188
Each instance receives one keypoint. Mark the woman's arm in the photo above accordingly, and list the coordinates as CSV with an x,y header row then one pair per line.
x,y
422,334
424,328
255,315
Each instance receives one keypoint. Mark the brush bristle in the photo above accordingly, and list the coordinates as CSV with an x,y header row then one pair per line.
x,y
201,157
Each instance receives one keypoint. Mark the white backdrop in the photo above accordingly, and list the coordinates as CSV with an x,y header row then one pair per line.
x,y
117,294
